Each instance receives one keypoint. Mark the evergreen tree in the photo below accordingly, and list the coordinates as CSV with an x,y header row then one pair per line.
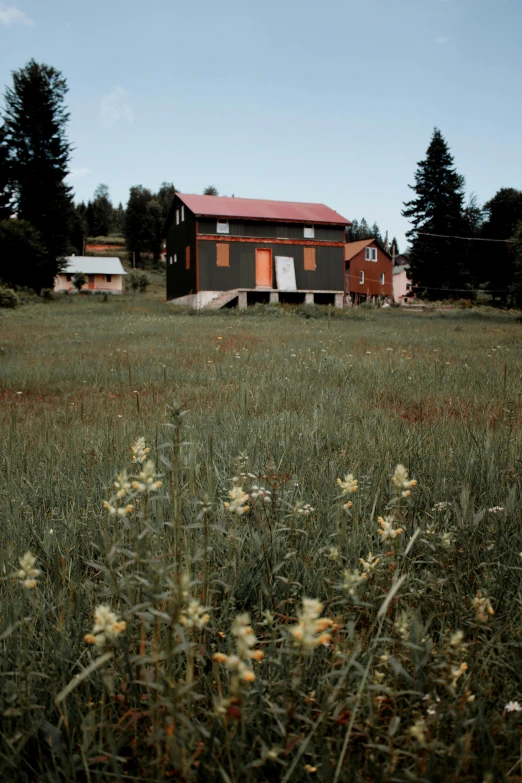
x,y
352,232
211,191
364,230
6,194
165,197
394,248
118,219
503,213
23,255
376,233
79,229
138,228
100,212
155,223
515,248
35,118
438,266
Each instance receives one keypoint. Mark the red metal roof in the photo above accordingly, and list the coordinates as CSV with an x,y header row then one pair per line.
x,y
253,208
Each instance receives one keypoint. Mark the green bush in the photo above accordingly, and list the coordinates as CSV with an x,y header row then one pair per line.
x,y
8,298
138,281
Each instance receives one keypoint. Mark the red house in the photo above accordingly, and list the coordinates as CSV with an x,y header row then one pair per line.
x,y
369,271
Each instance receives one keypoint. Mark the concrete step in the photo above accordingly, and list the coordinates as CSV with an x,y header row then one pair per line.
x,y
222,300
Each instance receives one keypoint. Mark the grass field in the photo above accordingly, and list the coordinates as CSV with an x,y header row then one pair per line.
x,y
404,669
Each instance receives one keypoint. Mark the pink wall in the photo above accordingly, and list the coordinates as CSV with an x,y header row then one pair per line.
x,y
400,290
100,284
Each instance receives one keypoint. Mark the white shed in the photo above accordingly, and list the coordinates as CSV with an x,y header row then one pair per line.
x,y
102,274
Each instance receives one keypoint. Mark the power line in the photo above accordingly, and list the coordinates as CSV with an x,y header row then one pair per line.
x,y
433,288
448,236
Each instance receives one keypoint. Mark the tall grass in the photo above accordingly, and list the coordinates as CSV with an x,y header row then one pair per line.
x,y
401,665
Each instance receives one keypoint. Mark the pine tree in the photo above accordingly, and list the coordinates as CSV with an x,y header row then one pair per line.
x,y
211,191
118,219
352,232
364,230
165,196
79,229
438,265
35,118
138,231
503,214
515,248
100,212
394,248
22,253
6,194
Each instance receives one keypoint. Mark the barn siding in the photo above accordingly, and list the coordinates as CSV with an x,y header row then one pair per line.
x,y
268,230
328,276
181,281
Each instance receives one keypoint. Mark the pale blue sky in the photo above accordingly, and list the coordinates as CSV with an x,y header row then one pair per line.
x,y
299,100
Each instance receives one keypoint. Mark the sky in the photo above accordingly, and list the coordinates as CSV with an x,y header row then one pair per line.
x,y
293,100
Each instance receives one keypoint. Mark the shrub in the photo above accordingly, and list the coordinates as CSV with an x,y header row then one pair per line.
x,y
78,280
138,281
8,298
310,311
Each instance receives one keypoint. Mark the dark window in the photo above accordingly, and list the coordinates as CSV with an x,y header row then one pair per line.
x,y
69,278
108,278
91,278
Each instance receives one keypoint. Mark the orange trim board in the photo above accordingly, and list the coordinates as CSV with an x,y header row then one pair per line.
x,y
259,241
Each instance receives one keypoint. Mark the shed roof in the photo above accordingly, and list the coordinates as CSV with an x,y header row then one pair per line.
x,y
401,268
90,265
261,209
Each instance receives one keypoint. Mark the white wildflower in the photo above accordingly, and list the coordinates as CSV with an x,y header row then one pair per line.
x,y
387,530
310,631
401,481
238,498
139,451
349,484
28,573
106,627
194,616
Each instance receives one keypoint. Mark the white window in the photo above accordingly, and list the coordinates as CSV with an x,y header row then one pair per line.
x,y
370,254
222,227
175,258
170,259
382,278
309,232
177,216
182,214
361,276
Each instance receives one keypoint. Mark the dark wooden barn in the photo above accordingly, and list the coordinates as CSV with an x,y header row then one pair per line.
x,y
220,250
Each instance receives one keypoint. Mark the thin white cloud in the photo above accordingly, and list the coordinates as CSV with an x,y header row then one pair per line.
x,y
442,39
79,171
115,107
10,15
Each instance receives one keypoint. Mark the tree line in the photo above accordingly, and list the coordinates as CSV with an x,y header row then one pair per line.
x,y
457,247
39,222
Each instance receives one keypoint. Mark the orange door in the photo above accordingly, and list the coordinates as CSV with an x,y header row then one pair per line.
x,y
263,268
91,282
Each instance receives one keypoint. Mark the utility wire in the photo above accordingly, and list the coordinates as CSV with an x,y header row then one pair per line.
x,y
448,236
433,288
